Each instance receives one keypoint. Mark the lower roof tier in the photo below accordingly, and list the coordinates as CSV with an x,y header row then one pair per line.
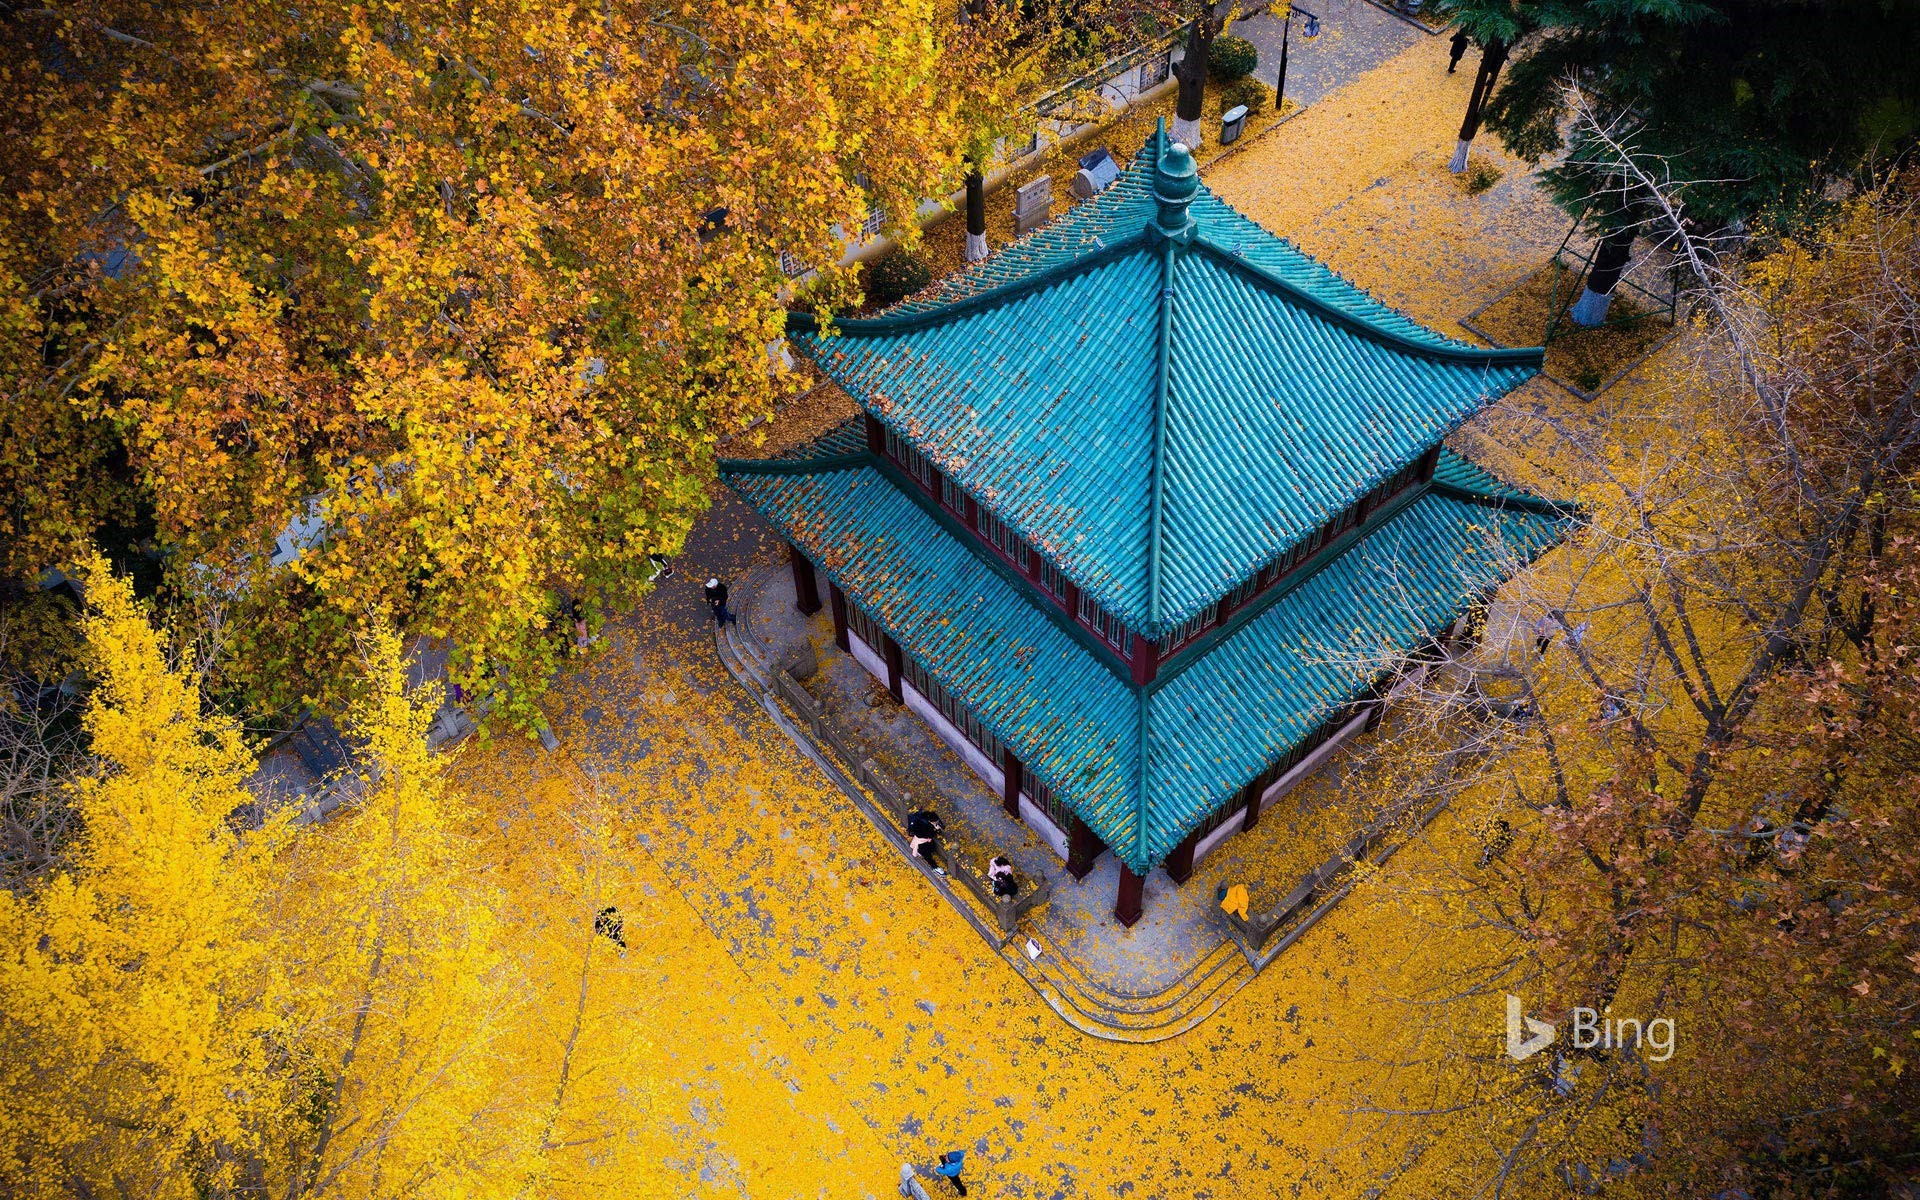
x,y
1143,767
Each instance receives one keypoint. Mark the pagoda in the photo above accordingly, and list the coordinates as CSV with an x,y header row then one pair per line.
x,y
1146,512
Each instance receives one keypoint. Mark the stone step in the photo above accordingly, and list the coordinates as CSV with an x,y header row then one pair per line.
x,y
736,653
1166,1006
1217,960
748,638
1078,1010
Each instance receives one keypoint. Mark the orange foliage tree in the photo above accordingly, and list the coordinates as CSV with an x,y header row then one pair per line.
x,y
1699,745
473,289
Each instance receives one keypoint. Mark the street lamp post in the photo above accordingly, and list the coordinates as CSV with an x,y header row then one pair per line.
x,y
1309,31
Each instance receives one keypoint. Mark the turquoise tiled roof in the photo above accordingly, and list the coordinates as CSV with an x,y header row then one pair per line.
x,y
1100,372
1254,689
984,638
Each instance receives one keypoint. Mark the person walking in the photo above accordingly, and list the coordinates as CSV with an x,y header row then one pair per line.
x,y
607,924
662,569
924,828
949,1169
578,615
1544,629
1457,49
910,1185
717,602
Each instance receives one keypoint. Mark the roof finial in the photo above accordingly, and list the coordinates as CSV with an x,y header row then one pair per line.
x,y
1175,180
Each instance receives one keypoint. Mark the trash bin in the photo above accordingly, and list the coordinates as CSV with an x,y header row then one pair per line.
x,y
1232,123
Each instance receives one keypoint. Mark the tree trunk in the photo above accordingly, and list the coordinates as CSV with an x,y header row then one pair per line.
x,y
1491,60
1609,262
976,215
1192,74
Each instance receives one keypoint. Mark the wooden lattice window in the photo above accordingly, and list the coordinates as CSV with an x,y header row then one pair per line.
x,y
958,714
1106,625
911,461
1002,537
1053,579
865,627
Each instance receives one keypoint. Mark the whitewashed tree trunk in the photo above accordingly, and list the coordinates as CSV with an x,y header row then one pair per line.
x,y
1458,163
1591,308
1186,132
1610,260
976,246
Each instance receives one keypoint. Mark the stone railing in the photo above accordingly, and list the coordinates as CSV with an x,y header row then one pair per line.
x,y
894,800
1325,883
1006,910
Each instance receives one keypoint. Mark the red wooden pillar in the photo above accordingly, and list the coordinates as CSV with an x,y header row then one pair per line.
x,y
1129,903
1254,792
876,434
1180,863
896,664
806,588
1010,790
1083,846
1146,659
838,599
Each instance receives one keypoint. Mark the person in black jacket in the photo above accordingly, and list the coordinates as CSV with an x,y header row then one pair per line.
x,y
717,601
924,828
609,925
1000,871
1456,49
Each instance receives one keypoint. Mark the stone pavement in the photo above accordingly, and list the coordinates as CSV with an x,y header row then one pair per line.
x,y
1355,37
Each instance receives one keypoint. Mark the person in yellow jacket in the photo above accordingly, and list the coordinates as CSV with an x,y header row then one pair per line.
x,y
1233,900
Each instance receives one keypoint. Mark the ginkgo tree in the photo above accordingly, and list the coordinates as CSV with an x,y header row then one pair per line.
x,y
1691,747
459,297
136,1000
208,996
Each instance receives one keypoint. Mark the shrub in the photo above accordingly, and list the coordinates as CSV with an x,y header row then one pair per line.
x,y
896,277
1232,58
1250,92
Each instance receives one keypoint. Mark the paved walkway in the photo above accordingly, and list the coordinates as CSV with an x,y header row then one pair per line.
x,y
1355,37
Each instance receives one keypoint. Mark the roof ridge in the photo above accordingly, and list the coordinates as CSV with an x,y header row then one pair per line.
x,y
1513,495
1157,465
1173,190
1163,390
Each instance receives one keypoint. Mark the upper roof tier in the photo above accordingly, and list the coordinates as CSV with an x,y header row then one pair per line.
x,y
1158,394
